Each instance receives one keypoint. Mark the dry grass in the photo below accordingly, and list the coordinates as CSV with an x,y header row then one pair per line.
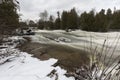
x,y
101,66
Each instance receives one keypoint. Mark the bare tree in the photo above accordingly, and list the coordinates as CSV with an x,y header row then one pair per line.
x,y
44,15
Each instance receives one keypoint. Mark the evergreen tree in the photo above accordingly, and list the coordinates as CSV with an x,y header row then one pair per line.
x,y
116,20
51,22
69,19
109,16
41,24
9,19
32,23
64,20
73,19
87,21
58,22
83,21
100,21
23,24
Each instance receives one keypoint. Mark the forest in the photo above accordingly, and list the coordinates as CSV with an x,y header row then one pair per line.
x,y
102,21
89,21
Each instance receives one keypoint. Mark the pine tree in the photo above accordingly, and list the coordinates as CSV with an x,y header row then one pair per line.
x,y
69,20
116,20
51,22
73,19
109,16
9,19
41,24
85,21
32,23
100,21
91,20
58,22
64,20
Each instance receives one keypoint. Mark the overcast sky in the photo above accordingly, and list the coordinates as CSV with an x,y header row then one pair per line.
x,y
30,9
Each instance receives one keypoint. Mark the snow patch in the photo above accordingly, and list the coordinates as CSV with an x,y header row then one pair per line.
x,y
17,65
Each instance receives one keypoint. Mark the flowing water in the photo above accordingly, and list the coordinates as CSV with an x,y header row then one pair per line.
x,y
73,48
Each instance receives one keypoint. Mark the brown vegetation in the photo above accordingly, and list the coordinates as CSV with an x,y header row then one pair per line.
x,y
68,57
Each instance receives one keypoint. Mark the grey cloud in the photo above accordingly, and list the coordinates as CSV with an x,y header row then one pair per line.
x,y
31,8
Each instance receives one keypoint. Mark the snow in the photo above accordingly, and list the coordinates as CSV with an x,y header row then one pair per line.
x,y
17,65
63,39
25,67
37,31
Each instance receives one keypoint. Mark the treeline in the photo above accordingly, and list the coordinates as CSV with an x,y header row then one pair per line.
x,y
101,21
66,20
90,21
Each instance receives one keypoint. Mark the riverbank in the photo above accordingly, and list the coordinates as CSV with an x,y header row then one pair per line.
x,y
18,65
68,57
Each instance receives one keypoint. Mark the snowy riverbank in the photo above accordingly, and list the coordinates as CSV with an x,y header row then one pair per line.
x,y
64,46
17,65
